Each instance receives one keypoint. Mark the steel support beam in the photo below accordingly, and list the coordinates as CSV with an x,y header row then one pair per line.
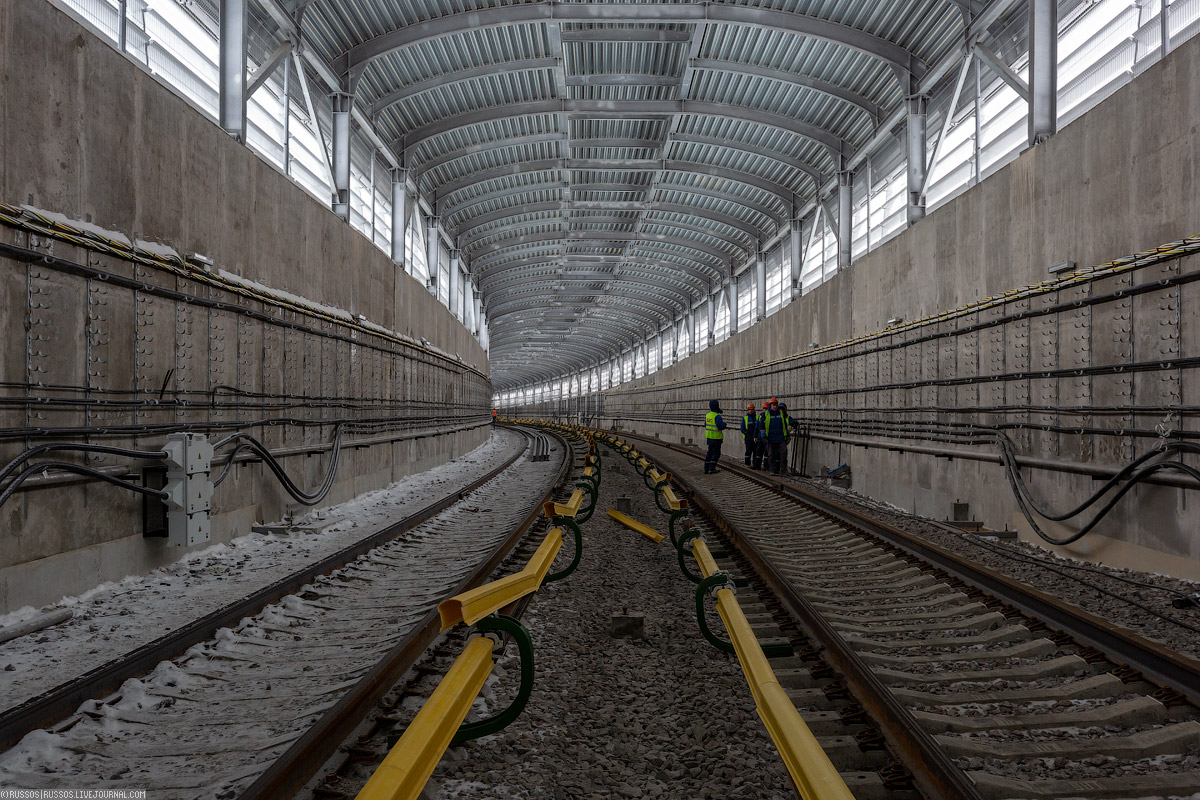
x,y
351,63
628,109
459,76
268,67
232,69
449,188
567,217
845,219
1043,70
917,106
711,311
513,192
985,54
946,123
399,217
342,105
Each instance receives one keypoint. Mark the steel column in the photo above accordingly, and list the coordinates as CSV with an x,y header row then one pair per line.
x,y
342,105
432,255
464,300
287,116
760,280
477,315
399,203
1164,28
122,24
232,68
1043,70
916,106
796,251
732,291
845,220
452,301
712,321
978,144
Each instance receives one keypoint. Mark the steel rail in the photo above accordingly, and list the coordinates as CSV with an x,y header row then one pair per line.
x,y
300,762
934,772
1155,661
61,702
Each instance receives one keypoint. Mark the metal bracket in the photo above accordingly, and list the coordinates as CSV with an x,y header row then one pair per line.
x,y
485,727
573,526
711,585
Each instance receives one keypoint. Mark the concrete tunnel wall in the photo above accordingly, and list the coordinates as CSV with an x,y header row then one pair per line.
x,y
1119,180
87,133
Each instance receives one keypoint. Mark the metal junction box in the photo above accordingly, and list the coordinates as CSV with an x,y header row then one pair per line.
x,y
189,489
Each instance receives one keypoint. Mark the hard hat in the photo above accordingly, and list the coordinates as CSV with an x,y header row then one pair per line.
x,y
750,406
773,400
766,405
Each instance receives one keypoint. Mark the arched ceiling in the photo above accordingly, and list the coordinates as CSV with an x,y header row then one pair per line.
x,y
603,166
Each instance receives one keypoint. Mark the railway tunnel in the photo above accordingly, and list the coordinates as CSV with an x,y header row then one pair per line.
x,y
321,315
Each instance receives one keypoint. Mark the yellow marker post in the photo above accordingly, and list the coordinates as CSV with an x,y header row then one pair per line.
x,y
634,525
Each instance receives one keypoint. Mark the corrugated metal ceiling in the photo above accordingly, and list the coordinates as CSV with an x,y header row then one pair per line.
x,y
685,192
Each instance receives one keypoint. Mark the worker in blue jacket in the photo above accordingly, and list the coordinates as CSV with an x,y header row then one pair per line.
x,y
750,431
773,427
713,435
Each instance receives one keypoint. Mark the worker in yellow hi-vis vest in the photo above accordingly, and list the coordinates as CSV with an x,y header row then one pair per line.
x,y
713,427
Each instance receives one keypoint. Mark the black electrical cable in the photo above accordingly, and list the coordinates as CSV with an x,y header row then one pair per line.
x,y
229,464
79,469
1133,474
298,494
1136,478
11,466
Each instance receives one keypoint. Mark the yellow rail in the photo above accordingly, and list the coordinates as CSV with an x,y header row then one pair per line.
x,y
813,773
475,604
410,762
408,765
567,509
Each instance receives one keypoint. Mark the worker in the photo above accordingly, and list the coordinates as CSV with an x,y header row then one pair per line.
x,y
760,444
750,432
774,433
789,425
713,427
495,413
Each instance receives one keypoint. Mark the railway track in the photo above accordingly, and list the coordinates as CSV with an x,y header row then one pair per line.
x,y
256,709
346,774
977,697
